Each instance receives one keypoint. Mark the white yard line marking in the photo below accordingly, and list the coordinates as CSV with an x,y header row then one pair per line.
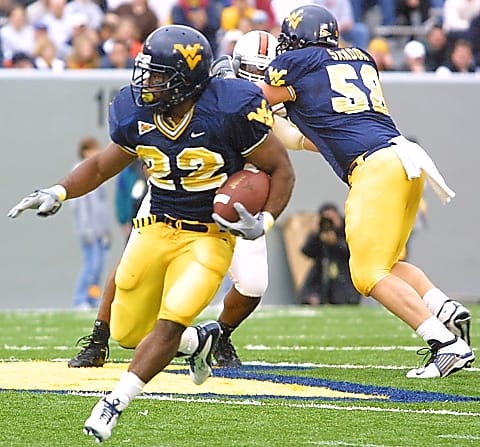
x,y
468,437
331,348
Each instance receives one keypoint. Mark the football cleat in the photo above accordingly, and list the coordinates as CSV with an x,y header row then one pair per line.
x,y
95,348
443,359
103,419
456,318
200,362
225,354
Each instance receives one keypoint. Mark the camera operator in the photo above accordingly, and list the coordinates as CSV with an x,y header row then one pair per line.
x,y
328,281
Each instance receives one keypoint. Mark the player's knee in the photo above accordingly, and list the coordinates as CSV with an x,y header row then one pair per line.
x,y
364,279
252,286
125,335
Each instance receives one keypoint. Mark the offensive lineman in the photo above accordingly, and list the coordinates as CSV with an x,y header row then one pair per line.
x,y
335,98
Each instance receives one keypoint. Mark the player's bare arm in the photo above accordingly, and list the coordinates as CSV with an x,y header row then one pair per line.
x,y
96,170
271,157
83,179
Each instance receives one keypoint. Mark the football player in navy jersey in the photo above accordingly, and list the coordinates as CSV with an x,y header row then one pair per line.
x,y
335,98
249,268
192,131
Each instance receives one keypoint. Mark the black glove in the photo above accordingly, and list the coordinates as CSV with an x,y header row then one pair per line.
x,y
225,67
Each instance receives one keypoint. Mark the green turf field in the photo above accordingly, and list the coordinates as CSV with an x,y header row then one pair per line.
x,y
312,376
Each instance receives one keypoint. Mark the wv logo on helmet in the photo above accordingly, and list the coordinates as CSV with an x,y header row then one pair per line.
x,y
191,54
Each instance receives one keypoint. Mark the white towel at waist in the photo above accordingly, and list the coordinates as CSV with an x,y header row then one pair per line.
x,y
415,160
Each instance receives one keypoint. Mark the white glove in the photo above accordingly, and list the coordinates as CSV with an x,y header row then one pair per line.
x,y
248,226
46,201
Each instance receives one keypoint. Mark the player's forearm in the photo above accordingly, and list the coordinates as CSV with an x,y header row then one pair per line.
x,y
94,171
281,186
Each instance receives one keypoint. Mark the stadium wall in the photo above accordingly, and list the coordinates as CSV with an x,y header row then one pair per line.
x,y
43,116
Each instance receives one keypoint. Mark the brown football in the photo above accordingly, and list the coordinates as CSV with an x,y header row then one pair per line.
x,y
250,187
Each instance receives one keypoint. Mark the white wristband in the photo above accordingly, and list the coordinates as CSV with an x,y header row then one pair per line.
x,y
59,191
268,221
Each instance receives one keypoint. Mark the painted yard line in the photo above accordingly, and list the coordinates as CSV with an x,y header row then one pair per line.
x,y
249,348
277,365
306,405
330,348
346,444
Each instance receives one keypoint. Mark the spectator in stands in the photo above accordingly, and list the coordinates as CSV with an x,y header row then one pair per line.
x,y
22,60
354,33
474,37
59,27
228,40
461,59
143,16
328,281
84,53
118,56
127,31
163,10
106,31
379,49
45,54
89,9
387,8
436,48
412,12
414,57
36,11
79,25
238,10
5,8
202,15
457,16
1,53
271,25
17,34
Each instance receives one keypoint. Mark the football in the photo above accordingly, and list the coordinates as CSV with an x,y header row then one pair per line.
x,y
249,186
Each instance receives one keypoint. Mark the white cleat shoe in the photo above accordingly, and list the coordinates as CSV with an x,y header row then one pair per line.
x,y
456,318
444,359
200,363
102,420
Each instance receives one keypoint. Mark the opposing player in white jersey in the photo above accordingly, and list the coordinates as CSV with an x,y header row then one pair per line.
x,y
249,269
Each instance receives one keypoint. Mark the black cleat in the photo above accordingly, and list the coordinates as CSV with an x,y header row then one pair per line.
x,y
225,354
95,348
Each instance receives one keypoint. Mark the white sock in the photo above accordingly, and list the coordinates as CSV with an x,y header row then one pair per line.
x,y
128,387
434,299
433,329
188,341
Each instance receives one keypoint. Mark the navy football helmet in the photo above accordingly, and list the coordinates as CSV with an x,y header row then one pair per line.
x,y
173,66
306,26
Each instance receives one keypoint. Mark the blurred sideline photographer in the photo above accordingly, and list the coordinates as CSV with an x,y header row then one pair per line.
x,y
328,281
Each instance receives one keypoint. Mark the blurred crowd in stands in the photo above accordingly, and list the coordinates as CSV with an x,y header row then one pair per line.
x,y
440,36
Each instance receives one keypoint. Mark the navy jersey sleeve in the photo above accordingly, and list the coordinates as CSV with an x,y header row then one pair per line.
x,y
250,117
285,70
119,118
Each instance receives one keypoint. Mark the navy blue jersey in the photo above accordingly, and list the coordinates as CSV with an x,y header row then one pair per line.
x,y
190,160
339,102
